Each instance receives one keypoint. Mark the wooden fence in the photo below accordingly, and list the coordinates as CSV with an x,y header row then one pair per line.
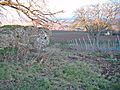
x,y
89,44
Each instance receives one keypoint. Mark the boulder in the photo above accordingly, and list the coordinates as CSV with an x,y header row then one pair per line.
x,y
29,37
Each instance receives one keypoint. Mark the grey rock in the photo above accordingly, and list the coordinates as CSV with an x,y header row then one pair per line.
x,y
28,37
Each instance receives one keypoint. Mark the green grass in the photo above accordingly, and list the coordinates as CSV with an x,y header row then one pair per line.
x,y
7,50
82,73
4,72
56,73
74,75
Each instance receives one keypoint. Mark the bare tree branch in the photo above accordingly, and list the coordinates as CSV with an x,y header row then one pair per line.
x,y
33,10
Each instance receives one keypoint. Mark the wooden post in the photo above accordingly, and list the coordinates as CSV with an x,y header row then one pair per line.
x,y
85,43
108,44
76,42
118,40
90,41
80,43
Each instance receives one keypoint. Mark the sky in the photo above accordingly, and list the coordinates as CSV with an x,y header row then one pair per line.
x,y
69,6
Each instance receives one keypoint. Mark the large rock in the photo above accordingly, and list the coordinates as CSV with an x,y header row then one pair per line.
x,y
29,37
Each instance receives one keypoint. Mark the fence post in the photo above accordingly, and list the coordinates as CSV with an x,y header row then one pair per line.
x,y
90,41
108,44
73,43
85,43
76,42
80,43
118,40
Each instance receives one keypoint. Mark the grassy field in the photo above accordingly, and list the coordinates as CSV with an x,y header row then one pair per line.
x,y
59,36
62,69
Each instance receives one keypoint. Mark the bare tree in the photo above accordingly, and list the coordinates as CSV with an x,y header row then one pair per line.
x,y
99,16
35,10
29,41
96,18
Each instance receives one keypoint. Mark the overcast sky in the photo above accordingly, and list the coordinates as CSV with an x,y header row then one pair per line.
x,y
69,6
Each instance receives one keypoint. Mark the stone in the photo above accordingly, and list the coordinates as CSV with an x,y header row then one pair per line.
x,y
30,37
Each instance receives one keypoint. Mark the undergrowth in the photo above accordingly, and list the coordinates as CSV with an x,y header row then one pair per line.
x,y
55,73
